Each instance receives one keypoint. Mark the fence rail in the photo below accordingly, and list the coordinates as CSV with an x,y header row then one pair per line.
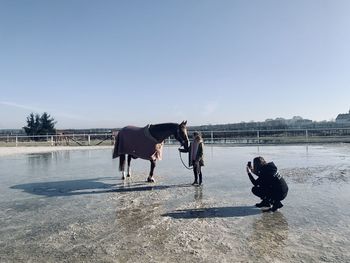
x,y
233,137
287,136
57,140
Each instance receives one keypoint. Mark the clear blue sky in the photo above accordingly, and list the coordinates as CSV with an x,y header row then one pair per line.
x,y
115,63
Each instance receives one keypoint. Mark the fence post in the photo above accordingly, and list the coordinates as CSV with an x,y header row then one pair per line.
x,y
212,137
16,141
89,139
307,136
51,140
258,136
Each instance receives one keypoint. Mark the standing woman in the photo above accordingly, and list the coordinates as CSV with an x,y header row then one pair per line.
x,y
195,157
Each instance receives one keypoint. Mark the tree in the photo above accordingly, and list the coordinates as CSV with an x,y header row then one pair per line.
x,y
47,124
33,124
40,125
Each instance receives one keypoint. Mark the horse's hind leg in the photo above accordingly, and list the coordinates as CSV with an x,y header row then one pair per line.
x,y
129,170
122,165
150,177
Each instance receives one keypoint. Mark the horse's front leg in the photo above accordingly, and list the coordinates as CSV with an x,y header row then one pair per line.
x,y
129,170
150,177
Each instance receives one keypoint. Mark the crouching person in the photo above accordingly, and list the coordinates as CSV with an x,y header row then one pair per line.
x,y
269,186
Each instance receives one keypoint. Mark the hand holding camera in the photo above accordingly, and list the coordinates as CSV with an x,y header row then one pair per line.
x,y
249,167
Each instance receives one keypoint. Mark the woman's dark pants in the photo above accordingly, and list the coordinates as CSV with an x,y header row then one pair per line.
x,y
197,172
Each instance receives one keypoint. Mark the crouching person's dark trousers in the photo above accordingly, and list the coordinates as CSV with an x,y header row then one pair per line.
x,y
269,194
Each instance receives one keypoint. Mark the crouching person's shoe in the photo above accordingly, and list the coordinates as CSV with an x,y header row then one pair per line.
x,y
263,203
276,206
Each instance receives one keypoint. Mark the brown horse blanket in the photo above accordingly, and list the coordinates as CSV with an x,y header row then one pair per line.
x,y
137,142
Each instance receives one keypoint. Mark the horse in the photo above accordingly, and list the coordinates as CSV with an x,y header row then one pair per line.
x,y
146,143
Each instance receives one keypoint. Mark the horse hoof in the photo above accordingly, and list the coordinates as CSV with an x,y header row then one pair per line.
x,y
123,177
128,175
150,180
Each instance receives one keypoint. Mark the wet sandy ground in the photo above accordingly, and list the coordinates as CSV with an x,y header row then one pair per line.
x,y
71,206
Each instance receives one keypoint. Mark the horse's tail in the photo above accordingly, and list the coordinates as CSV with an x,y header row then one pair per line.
x,y
116,153
116,147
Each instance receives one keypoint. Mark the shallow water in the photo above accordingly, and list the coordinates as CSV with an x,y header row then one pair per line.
x,y
71,206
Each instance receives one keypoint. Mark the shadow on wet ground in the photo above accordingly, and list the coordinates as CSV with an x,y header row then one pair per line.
x,y
88,186
212,212
66,188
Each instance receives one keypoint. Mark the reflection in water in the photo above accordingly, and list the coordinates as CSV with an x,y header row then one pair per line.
x,y
39,160
44,160
270,232
198,197
125,184
198,194
211,153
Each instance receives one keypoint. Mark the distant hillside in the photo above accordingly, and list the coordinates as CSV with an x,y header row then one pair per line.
x,y
278,123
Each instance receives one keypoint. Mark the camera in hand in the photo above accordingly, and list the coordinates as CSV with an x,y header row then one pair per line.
x,y
249,164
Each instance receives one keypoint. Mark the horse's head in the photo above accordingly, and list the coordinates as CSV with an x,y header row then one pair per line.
x,y
181,135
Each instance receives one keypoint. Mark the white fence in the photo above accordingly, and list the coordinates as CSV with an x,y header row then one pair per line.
x,y
55,140
285,136
230,137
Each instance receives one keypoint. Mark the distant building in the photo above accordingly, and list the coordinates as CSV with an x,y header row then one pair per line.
x,y
343,118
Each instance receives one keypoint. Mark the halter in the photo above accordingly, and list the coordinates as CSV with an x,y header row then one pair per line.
x,y
181,140
182,144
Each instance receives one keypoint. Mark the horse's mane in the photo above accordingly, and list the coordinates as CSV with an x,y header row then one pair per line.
x,y
165,126
163,130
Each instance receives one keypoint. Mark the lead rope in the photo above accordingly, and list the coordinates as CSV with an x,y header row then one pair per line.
x,y
178,135
189,168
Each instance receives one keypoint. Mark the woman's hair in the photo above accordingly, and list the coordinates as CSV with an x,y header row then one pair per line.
x,y
197,136
258,162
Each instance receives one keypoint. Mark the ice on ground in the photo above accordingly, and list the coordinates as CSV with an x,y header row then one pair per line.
x,y
71,206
